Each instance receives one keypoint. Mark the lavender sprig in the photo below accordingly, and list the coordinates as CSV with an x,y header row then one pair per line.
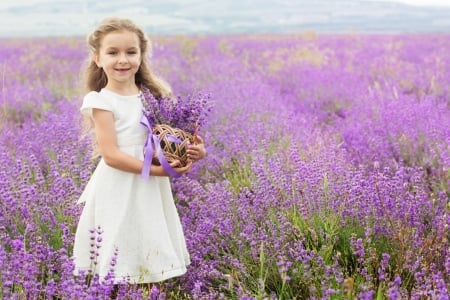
x,y
186,113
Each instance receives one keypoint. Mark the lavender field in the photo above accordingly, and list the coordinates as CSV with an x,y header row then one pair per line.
x,y
327,174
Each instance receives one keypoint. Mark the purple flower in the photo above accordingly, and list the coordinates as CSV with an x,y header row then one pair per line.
x,y
186,113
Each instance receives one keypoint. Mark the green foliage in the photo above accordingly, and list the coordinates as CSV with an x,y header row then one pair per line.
x,y
238,174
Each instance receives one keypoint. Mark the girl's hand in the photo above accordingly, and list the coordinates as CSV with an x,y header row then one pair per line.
x,y
197,151
180,170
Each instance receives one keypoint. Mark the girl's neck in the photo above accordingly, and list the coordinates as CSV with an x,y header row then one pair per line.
x,y
124,90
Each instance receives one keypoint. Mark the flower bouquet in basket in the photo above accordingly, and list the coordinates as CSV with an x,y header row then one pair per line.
x,y
173,124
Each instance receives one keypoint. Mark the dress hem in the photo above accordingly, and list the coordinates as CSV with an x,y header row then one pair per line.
x,y
138,279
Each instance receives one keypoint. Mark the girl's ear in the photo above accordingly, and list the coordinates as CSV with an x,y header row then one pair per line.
x,y
96,59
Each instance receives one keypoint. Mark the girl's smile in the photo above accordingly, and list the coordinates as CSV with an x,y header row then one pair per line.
x,y
122,70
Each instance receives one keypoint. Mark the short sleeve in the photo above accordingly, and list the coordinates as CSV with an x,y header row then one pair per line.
x,y
94,100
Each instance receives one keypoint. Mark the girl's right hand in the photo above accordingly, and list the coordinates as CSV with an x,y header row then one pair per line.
x,y
180,170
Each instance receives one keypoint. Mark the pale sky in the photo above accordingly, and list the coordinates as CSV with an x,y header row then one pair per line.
x,y
76,17
420,2
15,3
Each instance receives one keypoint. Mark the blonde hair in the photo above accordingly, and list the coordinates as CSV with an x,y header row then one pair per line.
x,y
96,77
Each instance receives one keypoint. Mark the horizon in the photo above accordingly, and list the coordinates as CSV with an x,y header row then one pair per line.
x,y
41,18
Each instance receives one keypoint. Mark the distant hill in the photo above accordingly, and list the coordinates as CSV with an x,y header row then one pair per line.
x,y
69,17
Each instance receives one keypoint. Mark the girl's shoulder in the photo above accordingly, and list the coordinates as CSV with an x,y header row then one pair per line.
x,y
103,96
91,95
94,99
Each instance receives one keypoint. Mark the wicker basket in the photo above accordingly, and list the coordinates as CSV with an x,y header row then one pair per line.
x,y
172,150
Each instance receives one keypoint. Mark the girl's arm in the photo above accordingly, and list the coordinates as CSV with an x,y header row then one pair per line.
x,y
111,153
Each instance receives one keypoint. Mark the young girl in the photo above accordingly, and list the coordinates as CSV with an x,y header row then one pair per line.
x,y
127,222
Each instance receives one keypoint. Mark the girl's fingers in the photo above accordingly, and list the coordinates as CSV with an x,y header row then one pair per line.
x,y
184,169
198,139
175,163
192,152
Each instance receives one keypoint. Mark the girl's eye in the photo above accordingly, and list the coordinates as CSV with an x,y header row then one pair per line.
x,y
132,52
111,52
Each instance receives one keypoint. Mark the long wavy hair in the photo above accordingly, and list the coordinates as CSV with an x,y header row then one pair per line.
x,y
95,77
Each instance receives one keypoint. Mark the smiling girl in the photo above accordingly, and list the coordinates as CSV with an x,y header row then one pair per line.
x,y
128,223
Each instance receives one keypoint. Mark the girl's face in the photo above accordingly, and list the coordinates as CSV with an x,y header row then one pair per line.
x,y
120,57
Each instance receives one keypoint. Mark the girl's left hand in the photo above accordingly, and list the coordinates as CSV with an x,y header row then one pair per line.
x,y
197,151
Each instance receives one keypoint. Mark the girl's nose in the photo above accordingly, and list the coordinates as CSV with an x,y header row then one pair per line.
x,y
123,58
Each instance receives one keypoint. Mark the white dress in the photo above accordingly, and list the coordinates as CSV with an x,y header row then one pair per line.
x,y
136,216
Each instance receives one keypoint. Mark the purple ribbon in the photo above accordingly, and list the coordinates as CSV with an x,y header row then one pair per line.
x,y
151,145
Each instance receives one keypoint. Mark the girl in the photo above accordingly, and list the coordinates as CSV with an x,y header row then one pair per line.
x,y
127,223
